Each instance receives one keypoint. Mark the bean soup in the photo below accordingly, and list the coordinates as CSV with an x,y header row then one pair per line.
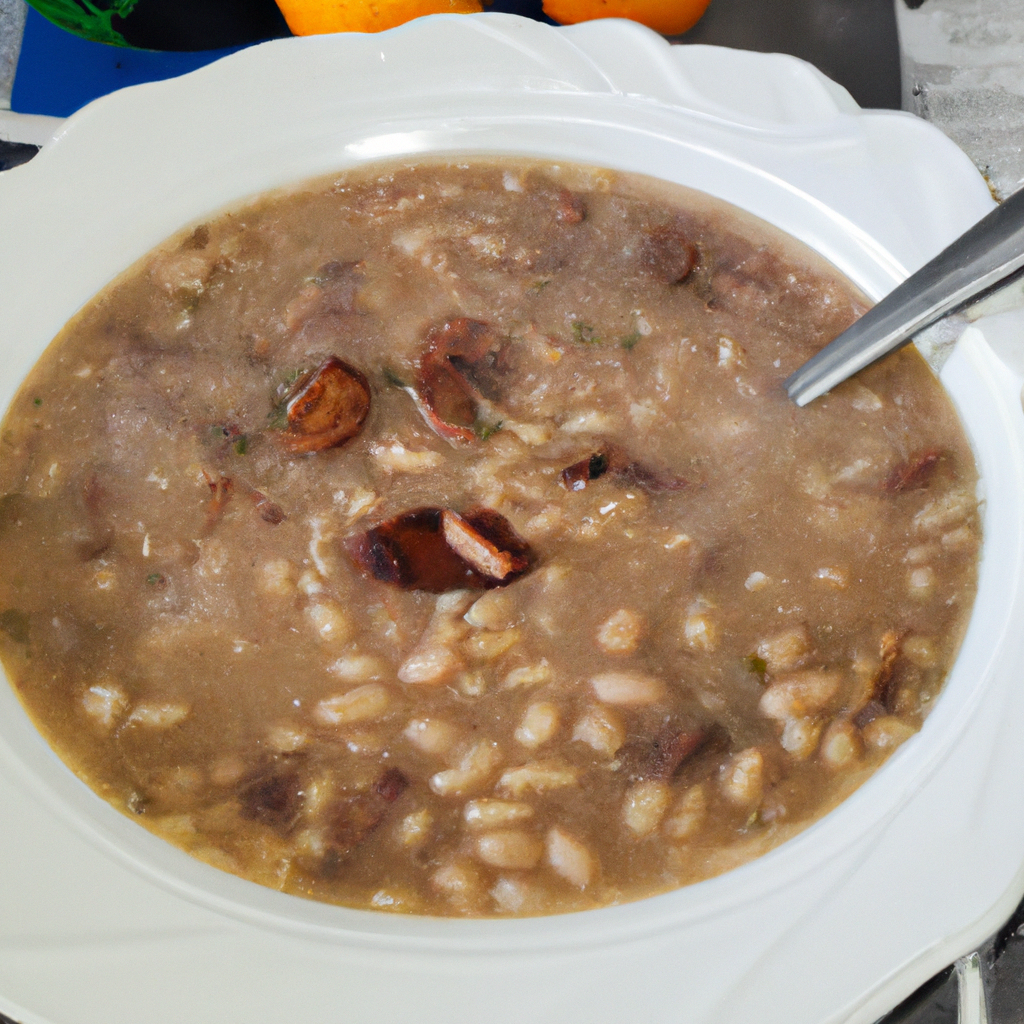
x,y
438,537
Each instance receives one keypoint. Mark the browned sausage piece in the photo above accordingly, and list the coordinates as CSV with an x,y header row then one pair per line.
x,y
453,376
439,550
326,408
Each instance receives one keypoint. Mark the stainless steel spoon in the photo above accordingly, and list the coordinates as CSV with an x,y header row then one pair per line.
x,y
978,261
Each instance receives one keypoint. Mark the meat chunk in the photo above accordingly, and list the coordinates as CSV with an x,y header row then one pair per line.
x,y
668,253
613,459
913,474
579,474
456,371
326,407
662,755
354,818
271,795
439,550
569,208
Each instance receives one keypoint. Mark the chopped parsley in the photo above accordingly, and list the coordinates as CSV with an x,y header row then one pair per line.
x,y
584,333
277,418
756,665
629,340
241,445
485,430
37,401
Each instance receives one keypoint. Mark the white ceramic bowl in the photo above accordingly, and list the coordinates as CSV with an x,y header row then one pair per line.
x,y
102,923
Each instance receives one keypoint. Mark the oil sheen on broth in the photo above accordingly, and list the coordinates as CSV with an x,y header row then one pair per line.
x,y
439,538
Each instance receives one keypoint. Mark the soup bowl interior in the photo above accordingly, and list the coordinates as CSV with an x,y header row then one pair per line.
x,y
864,192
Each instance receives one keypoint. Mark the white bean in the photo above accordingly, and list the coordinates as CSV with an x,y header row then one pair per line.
x,y
104,703
358,705
431,735
460,881
278,577
430,665
473,772
329,621
495,610
491,813
357,668
414,828
742,778
631,689
841,745
569,858
510,849
510,893
701,631
537,777
621,632
539,724
800,737
601,729
887,732
786,650
920,651
285,738
158,716
688,814
491,644
529,675
645,805
800,694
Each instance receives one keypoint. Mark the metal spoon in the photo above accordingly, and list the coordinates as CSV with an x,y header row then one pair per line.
x,y
978,261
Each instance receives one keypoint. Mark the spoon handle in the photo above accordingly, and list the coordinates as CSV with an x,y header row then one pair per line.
x,y
979,259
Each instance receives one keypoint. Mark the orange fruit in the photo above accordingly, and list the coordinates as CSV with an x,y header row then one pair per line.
x,y
312,17
670,17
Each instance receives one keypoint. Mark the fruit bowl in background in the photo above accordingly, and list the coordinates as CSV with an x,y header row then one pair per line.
x,y
214,24
167,24
854,42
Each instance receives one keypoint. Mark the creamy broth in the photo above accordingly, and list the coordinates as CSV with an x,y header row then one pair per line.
x,y
439,538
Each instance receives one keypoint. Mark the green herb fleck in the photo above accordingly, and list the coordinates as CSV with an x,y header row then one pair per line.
x,y
756,665
155,579
15,624
241,445
37,402
539,286
629,340
584,333
277,418
393,379
485,430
